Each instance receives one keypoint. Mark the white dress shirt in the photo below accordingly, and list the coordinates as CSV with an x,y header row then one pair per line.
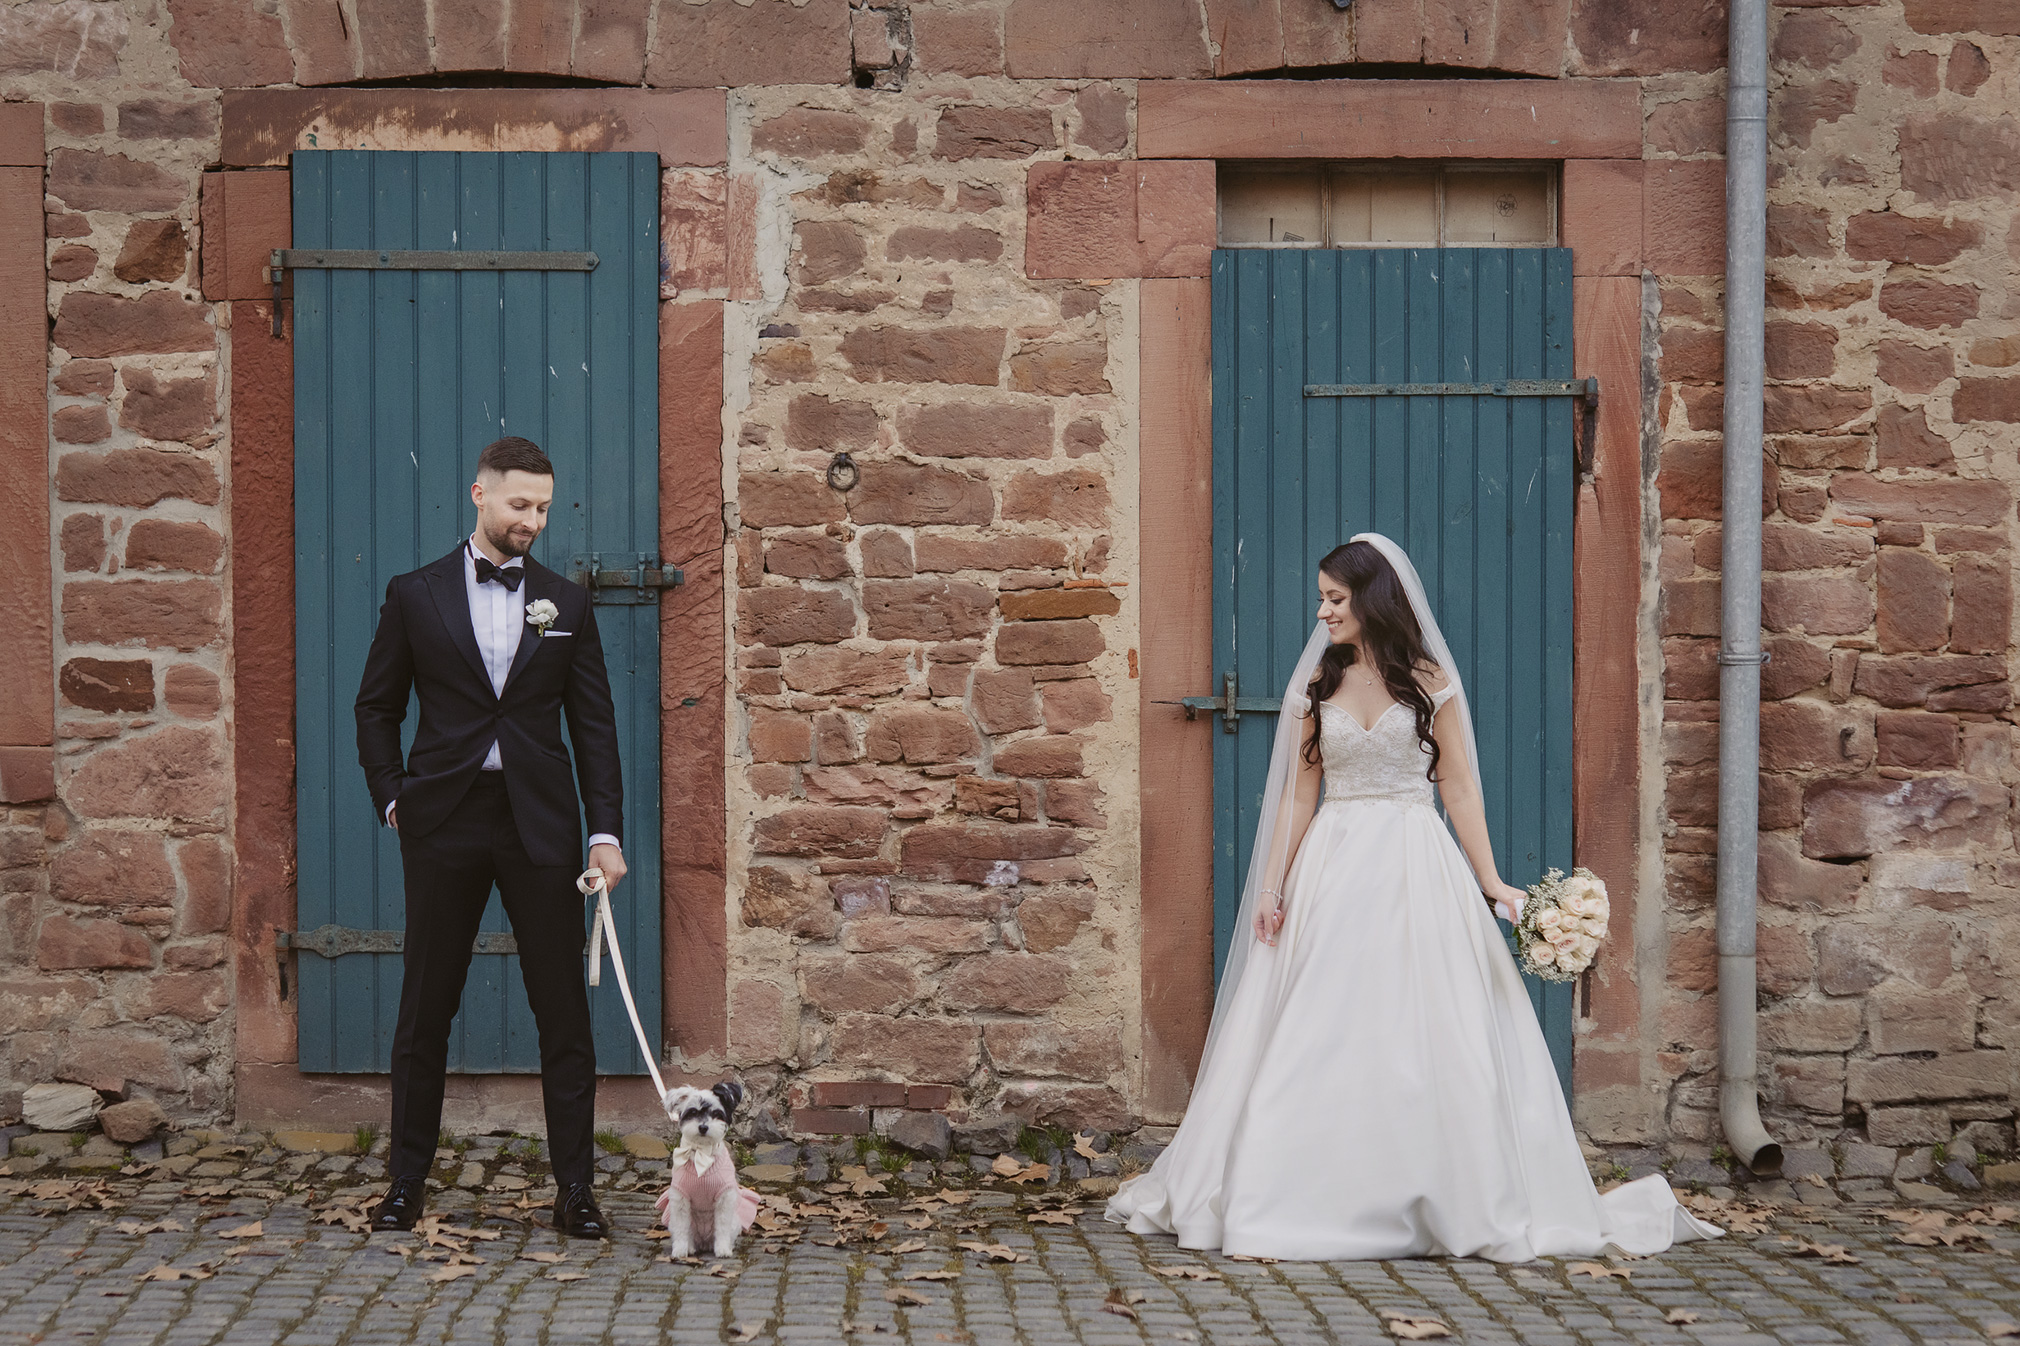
x,y
498,616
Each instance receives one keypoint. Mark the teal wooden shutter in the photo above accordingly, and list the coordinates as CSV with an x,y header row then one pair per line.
x,y
1478,489
401,378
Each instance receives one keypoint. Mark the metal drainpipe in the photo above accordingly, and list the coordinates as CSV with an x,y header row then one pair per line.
x,y
1740,654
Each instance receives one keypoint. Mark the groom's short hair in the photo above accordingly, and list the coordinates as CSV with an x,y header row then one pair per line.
x,y
512,454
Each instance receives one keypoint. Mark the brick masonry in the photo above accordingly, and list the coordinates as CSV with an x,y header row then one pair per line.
x,y
928,231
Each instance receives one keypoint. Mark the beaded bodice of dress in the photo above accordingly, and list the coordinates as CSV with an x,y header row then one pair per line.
x,y
1385,761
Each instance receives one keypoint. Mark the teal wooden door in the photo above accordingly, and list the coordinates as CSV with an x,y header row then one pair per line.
x,y
401,378
1478,489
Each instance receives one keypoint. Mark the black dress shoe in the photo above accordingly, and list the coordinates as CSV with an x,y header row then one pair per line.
x,y
575,1213
402,1206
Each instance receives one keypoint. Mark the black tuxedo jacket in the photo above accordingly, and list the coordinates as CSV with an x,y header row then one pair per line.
x,y
426,641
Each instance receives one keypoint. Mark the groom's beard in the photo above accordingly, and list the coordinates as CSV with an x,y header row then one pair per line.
x,y
506,543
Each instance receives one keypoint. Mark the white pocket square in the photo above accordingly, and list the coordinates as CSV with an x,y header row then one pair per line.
x,y
545,634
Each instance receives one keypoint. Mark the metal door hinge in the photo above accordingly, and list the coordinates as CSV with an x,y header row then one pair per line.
x,y
1502,388
1585,390
623,577
283,260
334,941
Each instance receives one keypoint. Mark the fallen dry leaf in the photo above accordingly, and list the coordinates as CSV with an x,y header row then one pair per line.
x,y
722,1269
1189,1273
942,1275
1083,1145
996,1252
1033,1173
1410,1328
2002,1328
954,1196
919,1222
1123,1302
549,1258
908,1246
455,1271
1596,1270
244,1231
1006,1165
165,1272
1050,1217
1679,1316
746,1331
1247,1257
1829,1252
567,1275
151,1227
898,1294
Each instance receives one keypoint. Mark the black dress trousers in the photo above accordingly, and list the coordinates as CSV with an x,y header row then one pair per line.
x,y
449,876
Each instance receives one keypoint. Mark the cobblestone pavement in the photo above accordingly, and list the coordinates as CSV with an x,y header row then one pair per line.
x,y
266,1252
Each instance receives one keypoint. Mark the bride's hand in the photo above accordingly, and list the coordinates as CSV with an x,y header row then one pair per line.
x,y
1269,918
1507,901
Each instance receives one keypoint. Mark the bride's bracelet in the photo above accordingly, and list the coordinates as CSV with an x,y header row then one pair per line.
x,y
1276,893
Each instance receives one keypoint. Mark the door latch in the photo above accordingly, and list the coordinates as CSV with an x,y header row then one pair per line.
x,y
1229,706
622,577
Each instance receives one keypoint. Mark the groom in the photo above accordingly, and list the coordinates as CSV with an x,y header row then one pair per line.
x,y
485,799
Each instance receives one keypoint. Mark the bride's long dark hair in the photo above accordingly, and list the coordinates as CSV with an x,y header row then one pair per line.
x,y
1391,641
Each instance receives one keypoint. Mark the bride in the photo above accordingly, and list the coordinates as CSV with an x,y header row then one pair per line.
x,y
1375,1084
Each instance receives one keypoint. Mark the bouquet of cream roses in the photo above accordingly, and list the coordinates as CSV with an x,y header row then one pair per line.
x,y
1562,922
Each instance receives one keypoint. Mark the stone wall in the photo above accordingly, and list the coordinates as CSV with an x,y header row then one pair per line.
x,y
117,895
1888,871
933,788
934,734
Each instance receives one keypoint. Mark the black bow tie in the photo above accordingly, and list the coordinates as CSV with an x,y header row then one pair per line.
x,y
509,576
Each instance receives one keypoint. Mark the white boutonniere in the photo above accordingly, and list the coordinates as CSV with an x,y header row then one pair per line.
x,y
540,614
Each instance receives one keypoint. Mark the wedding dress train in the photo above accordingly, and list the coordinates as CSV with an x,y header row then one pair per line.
x,y
1380,1087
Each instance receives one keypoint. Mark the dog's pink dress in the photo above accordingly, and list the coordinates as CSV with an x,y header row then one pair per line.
x,y
703,1190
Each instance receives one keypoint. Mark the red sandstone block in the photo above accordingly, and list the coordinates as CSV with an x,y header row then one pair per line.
x,y
228,44
930,1097
722,44
957,41
1929,304
1353,119
1121,39
156,322
609,40
21,136
858,1094
1976,502
1683,220
27,774
931,1050
1602,217
1103,220
470,35
321,38
68,942
1994,18
258,217
831,1122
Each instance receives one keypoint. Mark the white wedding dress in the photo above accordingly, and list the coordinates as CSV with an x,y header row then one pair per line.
x,y
1380,1086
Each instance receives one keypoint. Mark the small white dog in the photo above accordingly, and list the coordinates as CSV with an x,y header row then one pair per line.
x,y
703,1206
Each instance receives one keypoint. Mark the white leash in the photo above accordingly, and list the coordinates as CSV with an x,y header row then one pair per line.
x,y
592,881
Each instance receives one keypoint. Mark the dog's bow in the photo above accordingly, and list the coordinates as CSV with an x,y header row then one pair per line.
x,y
702,1159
